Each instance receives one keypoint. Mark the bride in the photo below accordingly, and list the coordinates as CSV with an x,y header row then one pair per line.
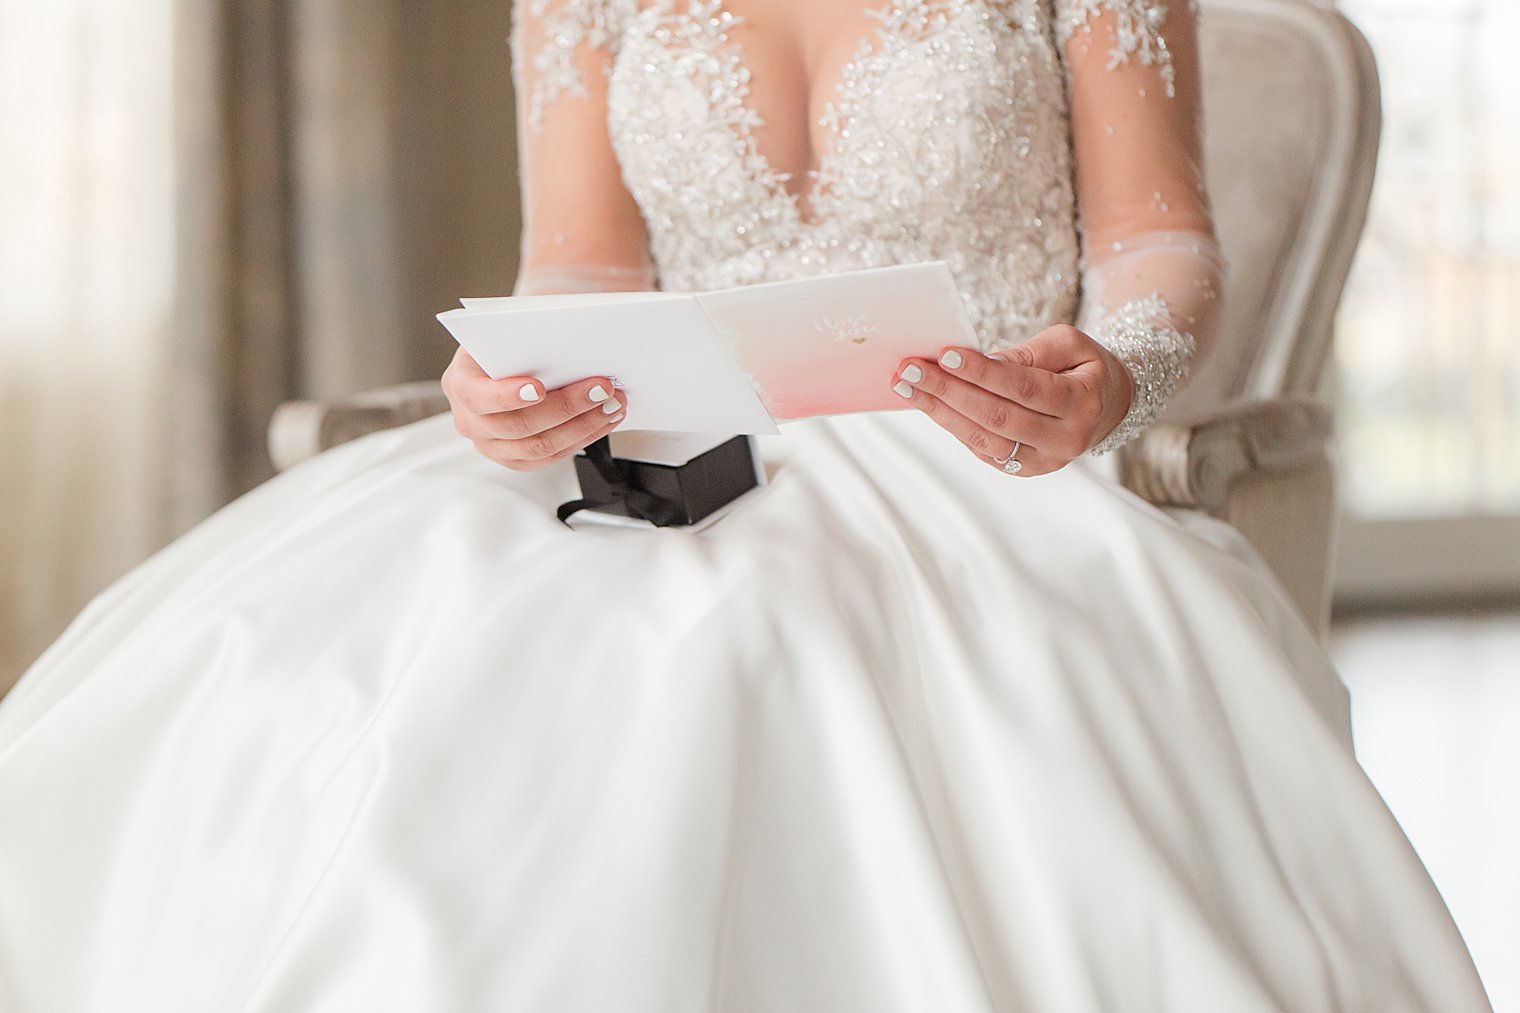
x,y
945,719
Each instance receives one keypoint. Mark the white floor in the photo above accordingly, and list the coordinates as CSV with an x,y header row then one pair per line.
x,y
1436,709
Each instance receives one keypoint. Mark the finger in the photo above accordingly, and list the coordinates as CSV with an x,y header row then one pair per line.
x,y
468,387
558,407
558,443
979,440
922,379
490,448
481,395
1056,348
1035,388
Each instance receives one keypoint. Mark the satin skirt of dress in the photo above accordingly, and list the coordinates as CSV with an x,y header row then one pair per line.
x,y
900,734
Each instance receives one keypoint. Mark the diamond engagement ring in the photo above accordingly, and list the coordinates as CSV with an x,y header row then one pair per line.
x,y
1010,466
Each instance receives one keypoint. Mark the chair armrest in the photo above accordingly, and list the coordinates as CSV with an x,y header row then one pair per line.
x,y
1195,465
1264,468
303,429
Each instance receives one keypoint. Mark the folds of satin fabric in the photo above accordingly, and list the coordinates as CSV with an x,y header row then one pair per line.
x,y
904,734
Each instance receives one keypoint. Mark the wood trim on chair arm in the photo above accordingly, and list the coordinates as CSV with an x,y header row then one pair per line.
x,y
301,430
1195,465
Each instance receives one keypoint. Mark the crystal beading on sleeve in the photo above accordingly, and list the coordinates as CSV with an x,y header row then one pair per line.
x,y
1144,302
1156,355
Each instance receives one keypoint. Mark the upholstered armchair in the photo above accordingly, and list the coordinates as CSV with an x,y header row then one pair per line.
x,y
1292,120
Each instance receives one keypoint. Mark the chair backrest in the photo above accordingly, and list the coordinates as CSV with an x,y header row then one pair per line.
x,y
1292,119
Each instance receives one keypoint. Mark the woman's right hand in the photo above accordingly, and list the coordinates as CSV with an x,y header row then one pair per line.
x,y
518,424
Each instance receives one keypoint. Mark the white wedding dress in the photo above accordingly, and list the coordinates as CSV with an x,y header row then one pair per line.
x,y
901,734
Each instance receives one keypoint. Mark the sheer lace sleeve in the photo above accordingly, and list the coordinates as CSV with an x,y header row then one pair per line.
x,y
582,231
1151,269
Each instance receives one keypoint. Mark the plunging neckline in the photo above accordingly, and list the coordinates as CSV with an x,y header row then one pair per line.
x,y
835,122
715,22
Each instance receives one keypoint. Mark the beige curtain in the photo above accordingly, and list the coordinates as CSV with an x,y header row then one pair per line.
x,y
332,173
86,281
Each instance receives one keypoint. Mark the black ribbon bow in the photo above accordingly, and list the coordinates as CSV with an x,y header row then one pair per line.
x,y
621,492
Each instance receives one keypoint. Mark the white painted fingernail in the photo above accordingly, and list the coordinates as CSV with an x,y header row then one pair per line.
x,y
528,393
597,394
913,374
611,406
951,360
904,389
615,421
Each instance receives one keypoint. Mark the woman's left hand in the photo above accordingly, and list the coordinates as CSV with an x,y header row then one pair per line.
x,y
1056,394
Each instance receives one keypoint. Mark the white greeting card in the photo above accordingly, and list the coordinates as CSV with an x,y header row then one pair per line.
x,y
732,361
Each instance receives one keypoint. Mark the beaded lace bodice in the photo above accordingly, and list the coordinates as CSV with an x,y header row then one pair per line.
x,y
930,156
947,134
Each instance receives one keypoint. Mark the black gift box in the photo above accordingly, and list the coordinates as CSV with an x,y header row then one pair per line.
x,y
662,493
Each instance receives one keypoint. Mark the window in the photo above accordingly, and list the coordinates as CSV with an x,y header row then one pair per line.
x,y
1428,343
1429,338
86,300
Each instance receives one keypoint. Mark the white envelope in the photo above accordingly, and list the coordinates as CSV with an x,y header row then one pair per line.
x,y
733,361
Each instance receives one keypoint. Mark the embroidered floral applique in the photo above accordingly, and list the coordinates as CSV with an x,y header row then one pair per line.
x,y
1137,32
